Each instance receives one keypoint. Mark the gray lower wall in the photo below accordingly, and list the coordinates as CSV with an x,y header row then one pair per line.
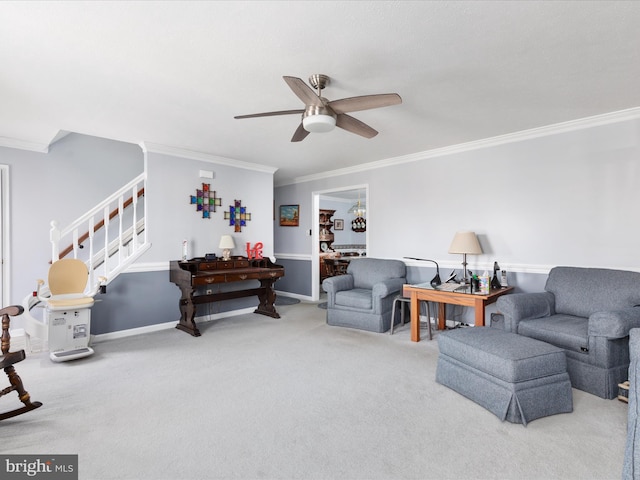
x,y
522,282
135,300
297,277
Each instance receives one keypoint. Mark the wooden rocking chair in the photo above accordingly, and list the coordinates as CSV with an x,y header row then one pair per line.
x,y
7,361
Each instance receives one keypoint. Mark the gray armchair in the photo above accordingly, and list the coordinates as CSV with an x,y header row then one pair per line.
x,y
588,312
631,466
363,298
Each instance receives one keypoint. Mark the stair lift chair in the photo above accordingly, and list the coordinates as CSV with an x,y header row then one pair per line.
x,y
7,360
68,309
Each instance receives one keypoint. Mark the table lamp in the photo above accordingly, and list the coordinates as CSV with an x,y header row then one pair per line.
x,y
227,244
465,243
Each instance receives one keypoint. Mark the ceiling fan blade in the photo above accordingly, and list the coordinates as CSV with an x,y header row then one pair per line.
x,y
365,102
300,134
269,114
354,125
303,91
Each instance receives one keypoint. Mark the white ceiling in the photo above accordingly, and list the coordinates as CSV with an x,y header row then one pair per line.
x,y
176,73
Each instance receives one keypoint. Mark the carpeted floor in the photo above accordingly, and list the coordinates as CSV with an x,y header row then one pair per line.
x,y
291,398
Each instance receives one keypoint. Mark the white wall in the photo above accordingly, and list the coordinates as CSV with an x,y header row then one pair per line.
x,y
144,292
565,199
564,196
172,179
78,172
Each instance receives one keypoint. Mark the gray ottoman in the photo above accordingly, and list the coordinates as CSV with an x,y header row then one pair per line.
x,y
516,378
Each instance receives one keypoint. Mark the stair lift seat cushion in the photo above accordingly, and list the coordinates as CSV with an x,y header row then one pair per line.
x,y
67,282
517,378
66,302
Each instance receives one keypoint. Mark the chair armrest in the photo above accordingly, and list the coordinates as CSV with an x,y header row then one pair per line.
x,y
387,287
634,343
521,306
631,458
338,283
102,281
12,310
615,324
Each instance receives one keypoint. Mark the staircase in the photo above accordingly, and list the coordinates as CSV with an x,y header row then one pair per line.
x,y
110,236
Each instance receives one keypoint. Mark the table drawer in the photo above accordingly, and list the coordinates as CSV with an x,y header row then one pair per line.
x,y
205,266
238,277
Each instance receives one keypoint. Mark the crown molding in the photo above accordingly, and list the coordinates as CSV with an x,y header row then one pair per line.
x,y
148,147
564,127
24,145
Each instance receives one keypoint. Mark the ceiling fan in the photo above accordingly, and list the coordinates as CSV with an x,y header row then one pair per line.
x,y
322,115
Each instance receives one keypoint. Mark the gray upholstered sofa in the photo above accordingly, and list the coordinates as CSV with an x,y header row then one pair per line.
x,y
363,298
587,312
631,466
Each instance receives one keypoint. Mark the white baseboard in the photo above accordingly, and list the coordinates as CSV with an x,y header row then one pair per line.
x,y
18,339
305,298
164,326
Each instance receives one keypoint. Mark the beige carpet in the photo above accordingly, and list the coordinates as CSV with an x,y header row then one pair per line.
x,y
292,398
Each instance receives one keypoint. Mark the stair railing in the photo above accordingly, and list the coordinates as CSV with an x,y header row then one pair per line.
x,y
110,250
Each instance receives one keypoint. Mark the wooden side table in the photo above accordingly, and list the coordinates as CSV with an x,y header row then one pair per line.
x,y
425,291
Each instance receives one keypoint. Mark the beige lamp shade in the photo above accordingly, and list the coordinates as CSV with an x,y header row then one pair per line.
x,y
226,241
465,242
226,244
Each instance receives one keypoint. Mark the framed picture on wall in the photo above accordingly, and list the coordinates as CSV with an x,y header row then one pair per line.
x,y
289,215
338,224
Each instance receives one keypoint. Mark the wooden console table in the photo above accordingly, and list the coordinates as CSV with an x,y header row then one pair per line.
x,y
427,292
193,276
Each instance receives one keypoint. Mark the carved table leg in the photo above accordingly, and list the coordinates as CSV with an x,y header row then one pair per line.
x,y
267,298
187,321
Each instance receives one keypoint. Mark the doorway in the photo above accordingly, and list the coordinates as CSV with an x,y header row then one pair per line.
x,y
346,240
4,234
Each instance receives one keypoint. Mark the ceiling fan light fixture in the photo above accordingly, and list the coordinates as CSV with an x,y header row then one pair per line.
x,y
321,115
319,123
